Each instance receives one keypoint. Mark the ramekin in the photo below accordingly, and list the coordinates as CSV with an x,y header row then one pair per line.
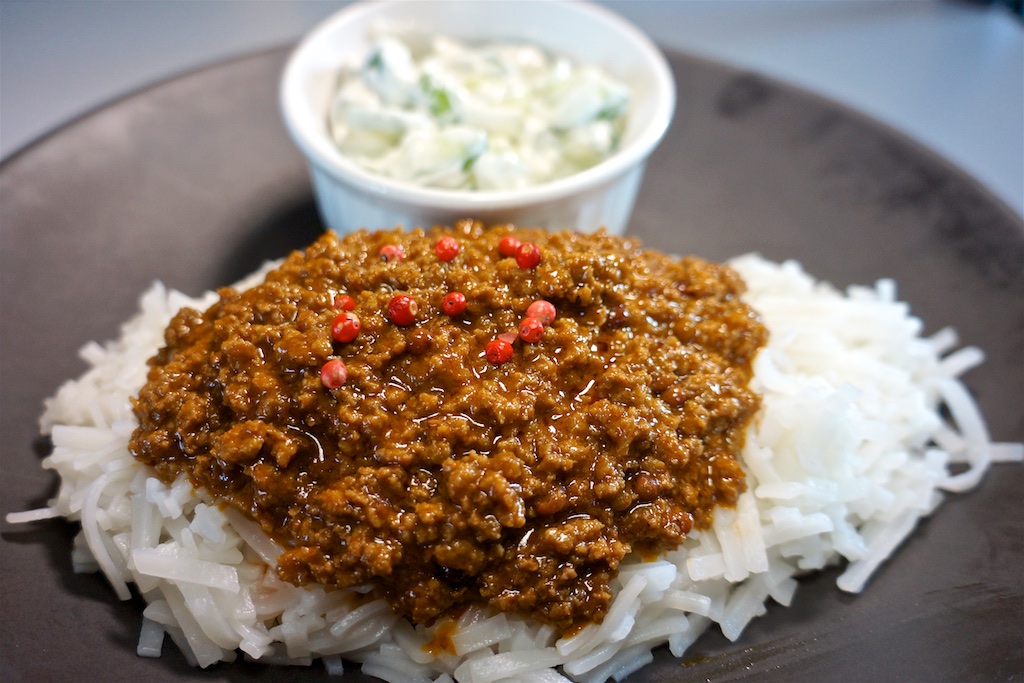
x,y
350,197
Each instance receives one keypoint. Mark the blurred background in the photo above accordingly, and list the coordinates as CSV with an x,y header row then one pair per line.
x,y
948,74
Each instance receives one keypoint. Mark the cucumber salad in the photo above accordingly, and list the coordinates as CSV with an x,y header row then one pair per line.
x,y
442,113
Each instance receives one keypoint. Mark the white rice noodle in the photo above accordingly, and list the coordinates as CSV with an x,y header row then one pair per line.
x,y
151,639
848,452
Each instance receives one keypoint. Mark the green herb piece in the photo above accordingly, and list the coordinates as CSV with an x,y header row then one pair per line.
x,y
437,96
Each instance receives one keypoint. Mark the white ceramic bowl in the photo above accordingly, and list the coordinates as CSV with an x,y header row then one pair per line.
x,y
350,197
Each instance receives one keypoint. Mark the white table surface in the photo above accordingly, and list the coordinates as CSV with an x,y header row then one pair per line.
x,y
949,74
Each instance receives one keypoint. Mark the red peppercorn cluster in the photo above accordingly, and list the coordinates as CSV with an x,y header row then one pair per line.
x,y
403,309
539,315
526,254
344,329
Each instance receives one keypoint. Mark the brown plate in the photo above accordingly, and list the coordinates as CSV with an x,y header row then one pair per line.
x,y
194,182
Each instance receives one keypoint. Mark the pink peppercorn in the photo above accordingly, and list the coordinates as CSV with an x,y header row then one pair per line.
x,y
531,330
528,255
345,327
447,248
453,303
544,311
392,252
498,351
333,374
402,310
508,245
344,302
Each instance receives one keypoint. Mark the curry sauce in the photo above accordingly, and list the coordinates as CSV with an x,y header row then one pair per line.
x,y
434,470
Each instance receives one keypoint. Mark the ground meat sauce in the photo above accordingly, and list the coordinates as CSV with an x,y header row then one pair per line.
x,y
435,474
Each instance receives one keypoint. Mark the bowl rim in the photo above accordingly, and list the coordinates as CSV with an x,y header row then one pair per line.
x,y
322,152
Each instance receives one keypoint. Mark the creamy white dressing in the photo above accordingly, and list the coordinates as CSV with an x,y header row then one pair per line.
x,y
447,114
